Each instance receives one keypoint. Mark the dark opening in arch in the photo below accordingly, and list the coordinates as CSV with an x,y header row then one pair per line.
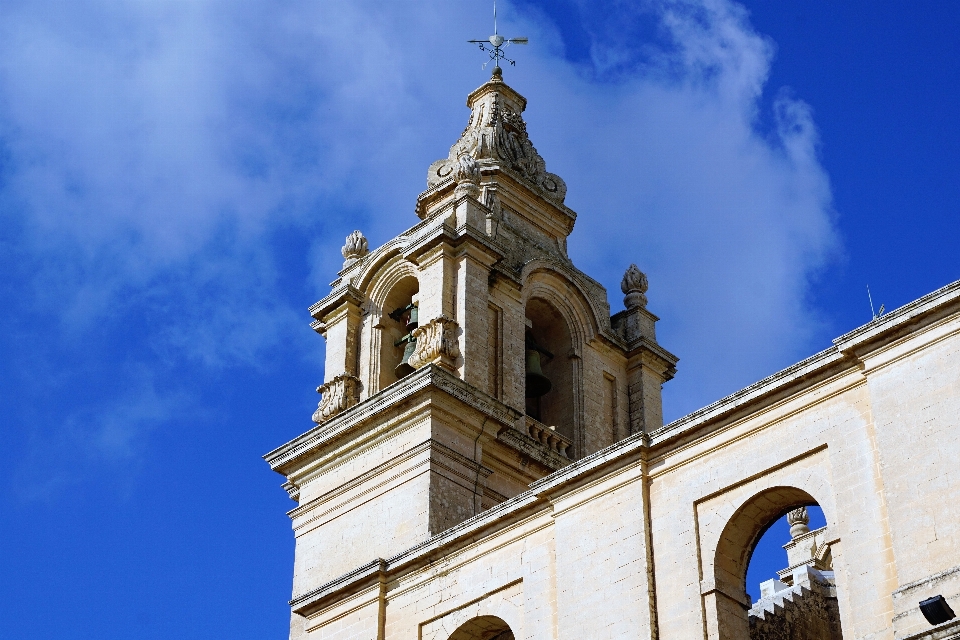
x,y
483,628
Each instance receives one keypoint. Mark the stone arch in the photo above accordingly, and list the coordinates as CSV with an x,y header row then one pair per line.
x,y
549,330
736,545
392,285
383,278
483,628
747,526
563,319
543,279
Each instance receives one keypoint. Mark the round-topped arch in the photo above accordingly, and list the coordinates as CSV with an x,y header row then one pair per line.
x,y
483,628
727,602
559,323
392,284
544,278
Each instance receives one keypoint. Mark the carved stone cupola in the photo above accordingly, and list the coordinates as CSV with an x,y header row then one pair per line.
x,y
427,415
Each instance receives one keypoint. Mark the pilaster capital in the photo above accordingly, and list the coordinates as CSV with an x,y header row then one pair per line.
x,y
341,393
345,295
653,357
438,343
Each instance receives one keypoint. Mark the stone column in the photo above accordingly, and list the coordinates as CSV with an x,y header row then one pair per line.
x,y
341,331
337,318
473,264
648,364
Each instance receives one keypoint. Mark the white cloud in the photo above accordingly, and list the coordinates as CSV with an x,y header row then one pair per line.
x,y
156,148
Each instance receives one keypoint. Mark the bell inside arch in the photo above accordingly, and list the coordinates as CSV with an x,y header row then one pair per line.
x,y
412,318
537,383
404,369
406,316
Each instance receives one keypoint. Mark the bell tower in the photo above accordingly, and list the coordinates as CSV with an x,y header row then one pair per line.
x,y
466,358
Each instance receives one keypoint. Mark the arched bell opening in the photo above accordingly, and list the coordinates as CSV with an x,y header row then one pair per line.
x,y
800,599
398,321
549,370
483,628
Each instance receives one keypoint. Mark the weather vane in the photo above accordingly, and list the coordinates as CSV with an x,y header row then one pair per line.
x,y
498,43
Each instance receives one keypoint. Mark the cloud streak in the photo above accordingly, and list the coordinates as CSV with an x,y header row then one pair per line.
x,y
198,164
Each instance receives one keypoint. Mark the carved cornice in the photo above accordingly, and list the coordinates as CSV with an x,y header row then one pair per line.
x,y
898,320
369,573
344,293
292,490
430,377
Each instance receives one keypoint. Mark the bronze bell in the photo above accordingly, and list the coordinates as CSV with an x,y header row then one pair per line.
x,y
412,318
407,316
404,369
537,383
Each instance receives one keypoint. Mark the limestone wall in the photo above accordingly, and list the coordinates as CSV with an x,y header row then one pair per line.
x,y
650,537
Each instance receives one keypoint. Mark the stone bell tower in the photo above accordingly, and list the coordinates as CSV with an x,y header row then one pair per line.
x,y
466,358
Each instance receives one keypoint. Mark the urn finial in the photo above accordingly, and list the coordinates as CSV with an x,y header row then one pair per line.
x,y
466,173
634,285
354,249
798,519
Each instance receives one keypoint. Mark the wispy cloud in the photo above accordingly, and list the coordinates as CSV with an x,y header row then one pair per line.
x,y
107,434
160,156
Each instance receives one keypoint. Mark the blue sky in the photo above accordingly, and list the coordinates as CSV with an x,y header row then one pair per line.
x,y
176,180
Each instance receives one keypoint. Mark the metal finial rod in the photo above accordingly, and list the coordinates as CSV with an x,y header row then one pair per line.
x,y
495,44
875,314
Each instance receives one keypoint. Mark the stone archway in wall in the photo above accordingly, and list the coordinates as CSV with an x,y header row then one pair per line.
x,y
392,329
734,549
483,628
549,330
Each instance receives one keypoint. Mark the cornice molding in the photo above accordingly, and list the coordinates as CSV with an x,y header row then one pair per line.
x,y
429,377
913,316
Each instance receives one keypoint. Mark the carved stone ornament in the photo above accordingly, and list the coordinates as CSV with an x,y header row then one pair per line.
x,y
798,521
466,173
492,201
355,248
436,342
497,135
339,394
634,285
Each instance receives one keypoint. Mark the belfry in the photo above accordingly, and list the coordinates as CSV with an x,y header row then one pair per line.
x,y
428,413
489,460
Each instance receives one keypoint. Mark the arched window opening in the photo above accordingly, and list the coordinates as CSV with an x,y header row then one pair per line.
x,y
398,321
549,369
483,628
789,576
776,550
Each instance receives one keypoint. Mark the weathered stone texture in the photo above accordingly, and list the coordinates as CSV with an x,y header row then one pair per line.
x,y
433,507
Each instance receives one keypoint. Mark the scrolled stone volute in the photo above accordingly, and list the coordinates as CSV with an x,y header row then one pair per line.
x,y
339,394
798,519
437,342
354,249
634,285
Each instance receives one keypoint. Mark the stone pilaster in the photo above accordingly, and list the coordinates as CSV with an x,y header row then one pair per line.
x,y
473,262
648,364
437,273
337,318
